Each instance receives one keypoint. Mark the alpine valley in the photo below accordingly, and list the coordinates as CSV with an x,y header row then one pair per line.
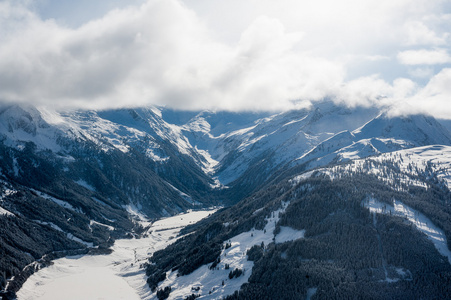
x,y
327,202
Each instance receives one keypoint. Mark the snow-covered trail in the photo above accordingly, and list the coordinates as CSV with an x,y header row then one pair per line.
x,y
114,276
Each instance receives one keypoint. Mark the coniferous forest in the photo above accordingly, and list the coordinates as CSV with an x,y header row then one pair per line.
x,y
347,253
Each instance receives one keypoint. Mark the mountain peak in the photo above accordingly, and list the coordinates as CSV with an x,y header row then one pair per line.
x,y
419,130
21,118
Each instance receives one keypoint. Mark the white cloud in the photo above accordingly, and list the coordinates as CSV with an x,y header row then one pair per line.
x,y
421,72
375,58
366,91
417,33
276,55
438,86
373,91
424,57
160,53
434,99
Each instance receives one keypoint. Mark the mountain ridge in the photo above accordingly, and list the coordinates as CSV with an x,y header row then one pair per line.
x,y
116,167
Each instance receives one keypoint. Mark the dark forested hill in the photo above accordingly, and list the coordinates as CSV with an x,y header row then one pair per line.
x,y
328,234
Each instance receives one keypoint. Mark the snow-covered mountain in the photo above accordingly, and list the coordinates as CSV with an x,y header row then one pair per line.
x,y
105,150
244,159
354,229
184,157
372,228
82,177
415,167
380,135
345,228
256,145
75,180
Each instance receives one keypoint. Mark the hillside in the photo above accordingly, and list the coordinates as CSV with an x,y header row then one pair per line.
x,y
294,186
368,229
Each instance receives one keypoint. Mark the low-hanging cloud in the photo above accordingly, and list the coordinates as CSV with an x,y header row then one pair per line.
x,y
159,54
162,53
424,57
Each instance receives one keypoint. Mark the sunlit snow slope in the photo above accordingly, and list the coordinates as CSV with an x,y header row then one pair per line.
x,y
118,275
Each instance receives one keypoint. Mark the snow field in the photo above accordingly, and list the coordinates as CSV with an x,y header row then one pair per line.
x,y
411,162
118,275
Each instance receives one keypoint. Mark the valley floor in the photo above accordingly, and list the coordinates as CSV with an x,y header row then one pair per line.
x,y
115,276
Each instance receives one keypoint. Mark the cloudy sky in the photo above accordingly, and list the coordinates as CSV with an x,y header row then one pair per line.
x,y
232,55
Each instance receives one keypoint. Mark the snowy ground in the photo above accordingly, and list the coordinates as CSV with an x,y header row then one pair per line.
x,y
215,283
5,212
419,161
111,277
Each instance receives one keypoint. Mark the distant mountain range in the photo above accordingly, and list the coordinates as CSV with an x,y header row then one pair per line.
x,y
76,180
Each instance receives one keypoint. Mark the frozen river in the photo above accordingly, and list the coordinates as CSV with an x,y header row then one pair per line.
x,y
114,276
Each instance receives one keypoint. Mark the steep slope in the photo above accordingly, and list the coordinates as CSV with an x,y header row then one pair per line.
x,y
401,169
370,229
380,135
278,139
131,156
74,180
245,149
255,150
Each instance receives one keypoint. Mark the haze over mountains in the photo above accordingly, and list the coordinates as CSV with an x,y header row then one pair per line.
x,y
75,180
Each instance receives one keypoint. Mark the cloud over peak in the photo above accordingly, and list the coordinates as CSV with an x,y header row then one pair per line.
x,y
165,52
